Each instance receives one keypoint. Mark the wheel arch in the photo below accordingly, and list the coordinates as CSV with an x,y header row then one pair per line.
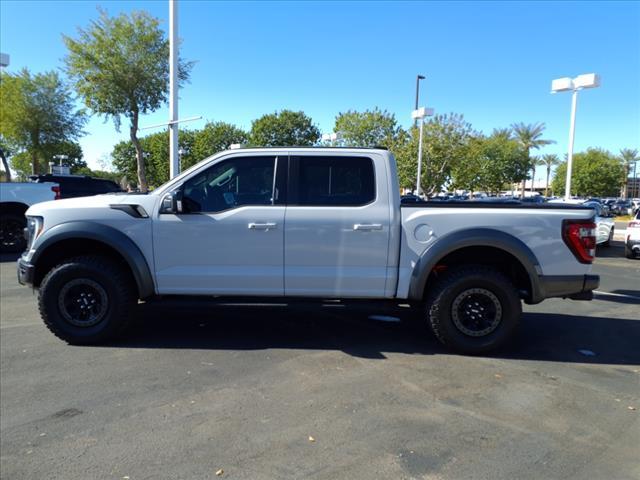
x,y
483,246
78,238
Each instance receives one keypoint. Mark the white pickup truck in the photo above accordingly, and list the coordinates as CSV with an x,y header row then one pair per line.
x,y
15,199
304,222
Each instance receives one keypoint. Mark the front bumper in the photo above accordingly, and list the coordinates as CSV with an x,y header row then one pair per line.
x,y
25,272
575,287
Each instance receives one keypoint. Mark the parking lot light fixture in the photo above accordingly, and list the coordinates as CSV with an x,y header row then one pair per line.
x,y
565,84
60,158
419,114
418,78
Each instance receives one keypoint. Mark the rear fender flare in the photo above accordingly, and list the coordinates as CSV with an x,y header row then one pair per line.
x,y
477,237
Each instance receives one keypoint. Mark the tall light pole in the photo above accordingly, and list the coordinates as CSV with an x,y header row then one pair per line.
x,y
174,159
565,84
419,114
418,78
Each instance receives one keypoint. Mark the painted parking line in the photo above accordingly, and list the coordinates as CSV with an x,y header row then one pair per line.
x,y
621,295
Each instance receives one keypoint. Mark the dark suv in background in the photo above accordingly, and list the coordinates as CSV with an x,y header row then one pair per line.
x,y
72,186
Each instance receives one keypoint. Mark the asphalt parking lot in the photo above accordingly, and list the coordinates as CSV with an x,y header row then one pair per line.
x,y
325,392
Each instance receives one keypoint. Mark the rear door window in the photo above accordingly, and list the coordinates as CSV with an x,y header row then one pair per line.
x,y
333,181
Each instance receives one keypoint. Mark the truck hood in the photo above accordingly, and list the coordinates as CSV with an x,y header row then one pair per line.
x,y
87,203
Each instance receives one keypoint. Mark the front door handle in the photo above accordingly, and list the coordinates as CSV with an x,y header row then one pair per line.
x,y
366,227
262,226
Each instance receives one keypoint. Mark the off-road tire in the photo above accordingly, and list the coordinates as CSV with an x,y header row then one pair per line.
x,y
12,233
112,280
450,286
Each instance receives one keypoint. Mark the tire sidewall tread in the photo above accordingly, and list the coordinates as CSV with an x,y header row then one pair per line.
x,y
112,277
452,283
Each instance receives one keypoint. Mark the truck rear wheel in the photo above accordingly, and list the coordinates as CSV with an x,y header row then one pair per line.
x,y
473,309
87,300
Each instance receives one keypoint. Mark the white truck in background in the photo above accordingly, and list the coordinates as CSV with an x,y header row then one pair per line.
x,y
15,199
311,223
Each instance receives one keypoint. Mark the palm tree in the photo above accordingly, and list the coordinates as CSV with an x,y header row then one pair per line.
x,y
505,133
549,160
628,156
535,161
529,137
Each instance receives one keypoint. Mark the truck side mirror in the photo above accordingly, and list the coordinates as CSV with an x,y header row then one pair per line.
x,y
172,202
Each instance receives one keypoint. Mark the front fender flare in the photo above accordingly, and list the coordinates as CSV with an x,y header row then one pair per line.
x,y
477,237
107,235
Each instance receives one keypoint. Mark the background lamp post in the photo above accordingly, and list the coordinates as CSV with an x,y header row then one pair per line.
x,y
565,84
418,78
419,114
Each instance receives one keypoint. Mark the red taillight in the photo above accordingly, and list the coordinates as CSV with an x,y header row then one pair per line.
x,y
56,190
633,225
580,237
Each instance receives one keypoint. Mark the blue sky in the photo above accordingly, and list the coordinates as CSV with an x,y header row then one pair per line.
x,y
491,61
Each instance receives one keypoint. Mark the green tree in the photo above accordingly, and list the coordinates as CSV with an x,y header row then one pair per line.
x,y
491,164
505,133
37,112
156,156
370,128
628,157
536,161
216,137
72,150
596,172
445,142
113,176
530,137
549,161
5,152
284,129
120,67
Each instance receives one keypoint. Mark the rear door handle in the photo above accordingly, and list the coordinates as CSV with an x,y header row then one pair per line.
x,y
262,226
367,226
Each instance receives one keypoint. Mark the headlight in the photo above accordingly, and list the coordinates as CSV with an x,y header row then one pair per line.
x,y
34,229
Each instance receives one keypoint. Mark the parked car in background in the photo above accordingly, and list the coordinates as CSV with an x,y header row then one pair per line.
x,y
605,224
537,199
622,207
15,199
72,186
410,198
632,238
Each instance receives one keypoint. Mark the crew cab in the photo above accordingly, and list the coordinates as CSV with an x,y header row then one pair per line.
x,y
311,223
15,199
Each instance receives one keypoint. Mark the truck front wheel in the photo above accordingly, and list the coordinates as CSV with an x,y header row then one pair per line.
x,y
87,300
473,309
